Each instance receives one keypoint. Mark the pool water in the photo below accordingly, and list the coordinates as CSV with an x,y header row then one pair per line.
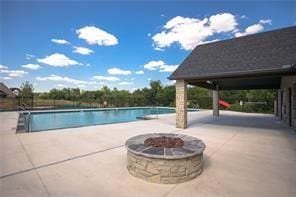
x,y
38,121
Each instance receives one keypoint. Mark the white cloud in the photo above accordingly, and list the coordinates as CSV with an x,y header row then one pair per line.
x,y
139,72
256,28
243,17
160,65
224,22
6,78
31,66
57,60
82,50
81,86
61,85
94,35
14,73
265,21
2,67
118,71
168,68
189,32
29,56
64,79
125,83
11,73
106,78
154,65
60,41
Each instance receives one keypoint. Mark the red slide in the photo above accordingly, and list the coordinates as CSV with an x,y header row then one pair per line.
x,y
224,103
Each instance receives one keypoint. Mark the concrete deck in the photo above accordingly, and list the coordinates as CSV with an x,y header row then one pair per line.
x,y
246,155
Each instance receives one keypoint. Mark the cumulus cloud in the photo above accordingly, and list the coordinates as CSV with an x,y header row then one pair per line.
x,y
6,78
59,41
139,72
2,67
125,83
255,28
168,68
224,22
106,78
82,50
118,71
154,65
29,56
58,78
189,32
32,66
265,21
81,86
61,85
11,73
243,17
14,73
160,65
57,60
94,35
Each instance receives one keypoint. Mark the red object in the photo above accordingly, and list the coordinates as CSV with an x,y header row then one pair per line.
x,y
224,103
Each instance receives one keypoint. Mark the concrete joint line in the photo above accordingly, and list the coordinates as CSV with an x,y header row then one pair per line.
x,y
58,162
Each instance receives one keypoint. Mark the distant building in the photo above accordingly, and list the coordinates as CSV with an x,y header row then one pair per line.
x,y
16,91
5,92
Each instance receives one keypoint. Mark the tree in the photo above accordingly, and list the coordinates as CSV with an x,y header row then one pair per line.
x,y
27,89
155,89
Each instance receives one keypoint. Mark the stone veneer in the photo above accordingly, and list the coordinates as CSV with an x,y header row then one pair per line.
x,y
181,104
283,100
165,165
216,102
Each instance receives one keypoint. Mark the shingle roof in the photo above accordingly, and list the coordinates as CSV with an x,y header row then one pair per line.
x,y
268,51
6,90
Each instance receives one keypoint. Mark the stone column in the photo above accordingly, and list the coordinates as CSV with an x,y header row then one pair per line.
x,y
181,104
275,108
216,101
279,103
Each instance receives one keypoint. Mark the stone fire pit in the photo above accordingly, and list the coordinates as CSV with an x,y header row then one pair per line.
x,y
164,157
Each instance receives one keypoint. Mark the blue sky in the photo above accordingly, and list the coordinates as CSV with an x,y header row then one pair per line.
x,y
119,44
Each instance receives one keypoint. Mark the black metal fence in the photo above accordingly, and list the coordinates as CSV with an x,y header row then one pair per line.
x,y
36,103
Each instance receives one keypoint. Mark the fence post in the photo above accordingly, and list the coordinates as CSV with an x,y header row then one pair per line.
x,y
32,102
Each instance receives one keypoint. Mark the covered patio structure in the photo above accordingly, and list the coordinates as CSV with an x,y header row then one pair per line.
x,y
260,61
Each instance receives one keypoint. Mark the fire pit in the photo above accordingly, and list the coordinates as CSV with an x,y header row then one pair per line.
x,y
165,157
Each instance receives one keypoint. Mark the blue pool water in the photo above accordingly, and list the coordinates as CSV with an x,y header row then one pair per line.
x,y
39,121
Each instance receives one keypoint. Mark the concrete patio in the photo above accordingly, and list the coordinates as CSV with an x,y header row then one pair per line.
x,y
246,155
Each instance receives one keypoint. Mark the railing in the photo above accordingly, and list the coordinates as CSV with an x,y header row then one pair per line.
x,y
23,110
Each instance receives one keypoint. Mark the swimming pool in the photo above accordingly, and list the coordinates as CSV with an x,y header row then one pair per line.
x,y
38,121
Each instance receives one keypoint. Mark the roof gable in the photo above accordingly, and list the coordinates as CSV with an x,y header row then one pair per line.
x,y
267,51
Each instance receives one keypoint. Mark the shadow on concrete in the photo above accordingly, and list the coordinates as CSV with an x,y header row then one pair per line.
x,y
264,121
206,161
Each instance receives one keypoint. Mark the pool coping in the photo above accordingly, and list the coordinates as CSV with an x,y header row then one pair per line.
x,y
99,109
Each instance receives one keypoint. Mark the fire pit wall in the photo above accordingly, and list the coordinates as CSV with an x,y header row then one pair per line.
x,y
165,165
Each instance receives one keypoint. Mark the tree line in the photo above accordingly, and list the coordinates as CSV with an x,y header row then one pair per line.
x,y
158,94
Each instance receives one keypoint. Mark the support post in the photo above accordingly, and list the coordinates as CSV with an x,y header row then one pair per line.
x,y
181,104
216,101
275,108
279,103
